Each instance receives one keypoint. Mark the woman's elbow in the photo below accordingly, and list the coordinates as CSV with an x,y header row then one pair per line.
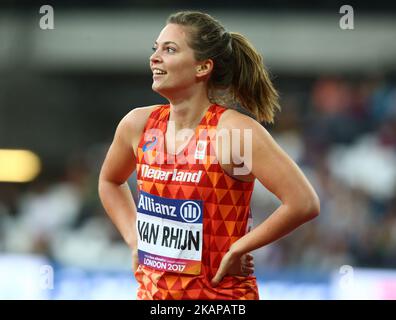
x,y
312,207
307,206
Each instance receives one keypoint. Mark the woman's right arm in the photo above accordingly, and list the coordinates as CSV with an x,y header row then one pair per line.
x,y
119,164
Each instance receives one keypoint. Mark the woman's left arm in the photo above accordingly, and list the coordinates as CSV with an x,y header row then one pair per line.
x,y
281,176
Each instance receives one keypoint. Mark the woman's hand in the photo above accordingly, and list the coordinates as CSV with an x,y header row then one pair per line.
x,y
233,264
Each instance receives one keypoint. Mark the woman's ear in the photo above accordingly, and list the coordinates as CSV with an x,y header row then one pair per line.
x,y
204,68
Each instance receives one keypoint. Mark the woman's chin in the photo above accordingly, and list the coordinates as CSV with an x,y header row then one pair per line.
x,y
156,87
159,89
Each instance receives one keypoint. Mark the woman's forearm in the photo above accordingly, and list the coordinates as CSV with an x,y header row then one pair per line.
x,y
280,223
120,206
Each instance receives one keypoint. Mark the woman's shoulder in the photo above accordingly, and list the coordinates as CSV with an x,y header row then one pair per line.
x,y
132,124
137,117
233,119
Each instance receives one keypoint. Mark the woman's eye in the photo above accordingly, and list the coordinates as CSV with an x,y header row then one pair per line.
x,y
167,49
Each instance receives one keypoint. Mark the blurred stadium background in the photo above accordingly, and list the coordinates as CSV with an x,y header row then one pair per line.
x,y
63,91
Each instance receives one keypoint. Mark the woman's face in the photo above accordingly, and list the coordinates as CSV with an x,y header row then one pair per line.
x,y
172,63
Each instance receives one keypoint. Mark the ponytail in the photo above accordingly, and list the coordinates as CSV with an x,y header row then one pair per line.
x,y
251,84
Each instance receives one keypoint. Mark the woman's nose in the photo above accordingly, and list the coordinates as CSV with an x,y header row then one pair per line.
x,y
155,57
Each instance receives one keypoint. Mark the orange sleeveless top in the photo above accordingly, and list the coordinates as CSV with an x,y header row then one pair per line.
x,y
189,212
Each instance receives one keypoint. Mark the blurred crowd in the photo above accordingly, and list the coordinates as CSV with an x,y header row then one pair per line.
x,y
341,132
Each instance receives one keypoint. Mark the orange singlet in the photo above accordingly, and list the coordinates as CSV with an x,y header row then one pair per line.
x,y
189,212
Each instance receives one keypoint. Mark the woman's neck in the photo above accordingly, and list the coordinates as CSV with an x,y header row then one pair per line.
x,y
187,113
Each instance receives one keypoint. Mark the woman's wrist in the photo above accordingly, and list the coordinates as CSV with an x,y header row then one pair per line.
x,y
236,250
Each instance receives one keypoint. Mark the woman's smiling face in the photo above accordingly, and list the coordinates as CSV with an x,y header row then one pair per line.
x,y
173,63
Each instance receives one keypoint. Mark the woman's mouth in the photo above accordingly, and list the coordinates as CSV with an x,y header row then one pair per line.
x,y
158,72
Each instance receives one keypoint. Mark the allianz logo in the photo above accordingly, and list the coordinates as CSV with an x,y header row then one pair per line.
x,y
170,175
148,204
189,211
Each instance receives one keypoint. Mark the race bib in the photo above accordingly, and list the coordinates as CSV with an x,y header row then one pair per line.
x,y
170,233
